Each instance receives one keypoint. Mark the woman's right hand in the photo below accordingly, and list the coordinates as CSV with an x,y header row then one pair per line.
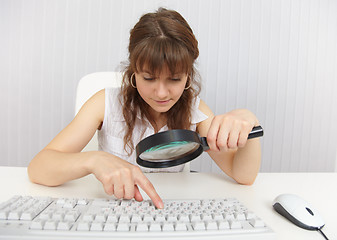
x,y
121,178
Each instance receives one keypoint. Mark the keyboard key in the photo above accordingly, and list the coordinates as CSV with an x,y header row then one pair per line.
x,y
64,225
109,227
50,225
180,226
4,214
37,225
136,218
198,226
96,226
112,218
223,225
14,215
235,224
257,223
124,218
82,201
123,227
168,227
142,227
83,226
212,225
155,227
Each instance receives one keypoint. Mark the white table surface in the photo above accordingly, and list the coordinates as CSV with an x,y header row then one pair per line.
x,y
319,189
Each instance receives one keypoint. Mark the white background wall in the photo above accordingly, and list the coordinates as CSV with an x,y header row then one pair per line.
x,y
275,57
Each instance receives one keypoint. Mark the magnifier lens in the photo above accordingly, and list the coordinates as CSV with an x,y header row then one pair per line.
x,y
169,151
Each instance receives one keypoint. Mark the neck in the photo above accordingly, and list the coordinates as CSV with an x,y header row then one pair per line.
x,y
158,120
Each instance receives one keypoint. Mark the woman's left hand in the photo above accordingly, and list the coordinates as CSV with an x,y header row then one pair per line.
x,y
230,131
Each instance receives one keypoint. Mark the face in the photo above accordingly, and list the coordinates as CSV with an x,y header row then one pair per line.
x,y
160,92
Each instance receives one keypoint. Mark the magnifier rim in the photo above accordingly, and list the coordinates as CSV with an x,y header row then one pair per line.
x,y
167,137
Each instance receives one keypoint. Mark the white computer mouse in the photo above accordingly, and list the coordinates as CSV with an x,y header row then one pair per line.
x,y
298,211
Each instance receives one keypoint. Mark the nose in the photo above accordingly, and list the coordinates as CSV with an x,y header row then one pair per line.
x,y
161,90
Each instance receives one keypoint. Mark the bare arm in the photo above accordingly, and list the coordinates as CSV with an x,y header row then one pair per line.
x,y
61,160
227,137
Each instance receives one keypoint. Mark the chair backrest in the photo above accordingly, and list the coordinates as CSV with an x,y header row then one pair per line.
x,y
92,83
88,86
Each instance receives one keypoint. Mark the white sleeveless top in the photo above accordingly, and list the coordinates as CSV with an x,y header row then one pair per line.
x,y
110,137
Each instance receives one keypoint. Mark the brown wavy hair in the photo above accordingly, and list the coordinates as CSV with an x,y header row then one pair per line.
x,y
160,39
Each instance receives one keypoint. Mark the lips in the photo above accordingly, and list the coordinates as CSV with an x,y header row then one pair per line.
x,y
162,102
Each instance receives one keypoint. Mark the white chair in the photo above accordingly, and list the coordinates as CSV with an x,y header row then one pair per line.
x,y
88,86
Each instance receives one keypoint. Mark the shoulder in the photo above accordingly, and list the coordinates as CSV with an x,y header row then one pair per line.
x,y
95,105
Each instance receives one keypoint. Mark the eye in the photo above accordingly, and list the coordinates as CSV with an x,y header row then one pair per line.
x,y
176,79
148,78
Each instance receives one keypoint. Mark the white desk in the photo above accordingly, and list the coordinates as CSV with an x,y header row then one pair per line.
x,y
319,189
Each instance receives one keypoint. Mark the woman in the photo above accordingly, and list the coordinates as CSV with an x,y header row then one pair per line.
x,y
159,92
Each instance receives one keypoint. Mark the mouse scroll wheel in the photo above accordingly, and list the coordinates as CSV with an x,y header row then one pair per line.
x,y
309,210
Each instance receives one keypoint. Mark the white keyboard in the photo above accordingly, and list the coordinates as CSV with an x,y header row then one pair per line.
x,y
27,217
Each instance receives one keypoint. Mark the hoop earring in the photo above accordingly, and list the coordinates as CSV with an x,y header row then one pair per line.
x,y
186,88
131,82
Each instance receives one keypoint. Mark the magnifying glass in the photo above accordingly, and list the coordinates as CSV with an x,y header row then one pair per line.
x,y
174,147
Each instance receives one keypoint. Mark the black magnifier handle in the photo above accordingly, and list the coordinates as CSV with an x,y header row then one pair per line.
x,y
256,132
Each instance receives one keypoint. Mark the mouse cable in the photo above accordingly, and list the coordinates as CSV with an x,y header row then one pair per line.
x,y
320,230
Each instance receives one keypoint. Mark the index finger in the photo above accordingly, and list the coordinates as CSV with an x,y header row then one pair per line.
x,y
148,188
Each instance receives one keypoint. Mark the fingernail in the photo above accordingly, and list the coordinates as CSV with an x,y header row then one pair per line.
x,y
160,205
